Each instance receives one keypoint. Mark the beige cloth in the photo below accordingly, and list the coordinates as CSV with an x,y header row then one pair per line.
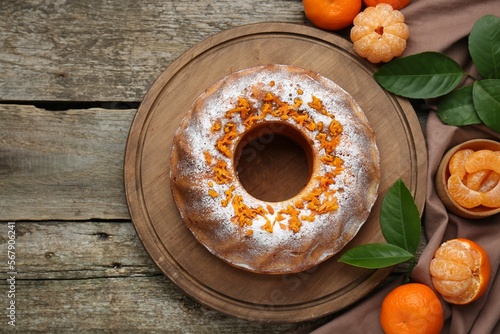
x,y
442,26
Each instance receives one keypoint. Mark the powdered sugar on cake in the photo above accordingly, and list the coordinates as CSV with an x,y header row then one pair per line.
x,y
319,234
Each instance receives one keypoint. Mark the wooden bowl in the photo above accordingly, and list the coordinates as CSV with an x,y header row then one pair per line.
x,y
443,174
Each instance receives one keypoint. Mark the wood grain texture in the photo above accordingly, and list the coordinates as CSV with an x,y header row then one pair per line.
x,y
79,250
147,169
81,266
62,165
111,50
121,305
87,277
96,277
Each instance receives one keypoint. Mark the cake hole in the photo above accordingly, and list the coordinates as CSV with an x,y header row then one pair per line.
x,y
273,162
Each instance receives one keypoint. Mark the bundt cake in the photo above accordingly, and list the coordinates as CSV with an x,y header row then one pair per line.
x,y
284,236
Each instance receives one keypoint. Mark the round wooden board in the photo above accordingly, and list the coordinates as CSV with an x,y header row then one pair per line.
x,y
321,290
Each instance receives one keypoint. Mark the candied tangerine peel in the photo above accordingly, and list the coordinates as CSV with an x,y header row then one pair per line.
x,y
474,178
320,201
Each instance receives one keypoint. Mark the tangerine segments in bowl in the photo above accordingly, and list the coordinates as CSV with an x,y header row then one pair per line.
x,y
468,179
469,171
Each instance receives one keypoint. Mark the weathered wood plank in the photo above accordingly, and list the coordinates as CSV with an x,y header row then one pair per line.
x,y
78,250
95,276
119,305
83,250
90,51
62,165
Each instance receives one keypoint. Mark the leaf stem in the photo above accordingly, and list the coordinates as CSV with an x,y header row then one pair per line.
x,y
413,263
471,76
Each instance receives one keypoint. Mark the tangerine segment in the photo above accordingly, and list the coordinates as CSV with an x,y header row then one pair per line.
x,y
412,308
461,194
460,271
490,181
491,198
457,162
474,180
483,159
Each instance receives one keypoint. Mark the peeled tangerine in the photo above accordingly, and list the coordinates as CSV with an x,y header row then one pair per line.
x,y
379,33
474,178
460,271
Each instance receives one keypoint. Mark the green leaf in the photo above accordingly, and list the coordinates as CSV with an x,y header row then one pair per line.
x,y
484,46
457,108
421,76
375,256
486,97
400,219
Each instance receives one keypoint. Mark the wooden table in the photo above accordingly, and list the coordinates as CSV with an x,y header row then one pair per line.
x,y
72,75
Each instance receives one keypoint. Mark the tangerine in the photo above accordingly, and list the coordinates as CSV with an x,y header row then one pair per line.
x,y
331,14
396,4
464,196
489,181
483,159
379,33
460,271
474,178
491,198
457,162
412,308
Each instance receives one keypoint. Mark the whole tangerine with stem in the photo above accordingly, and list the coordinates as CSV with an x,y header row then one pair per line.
x,y
460,271
396,4
412,308
331,14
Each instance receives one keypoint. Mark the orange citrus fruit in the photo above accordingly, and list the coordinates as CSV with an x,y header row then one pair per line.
x,y
457,162
474,178
491,198
483,159
379,33
396,4
412,308
464,196
460,271
331,14
489,181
